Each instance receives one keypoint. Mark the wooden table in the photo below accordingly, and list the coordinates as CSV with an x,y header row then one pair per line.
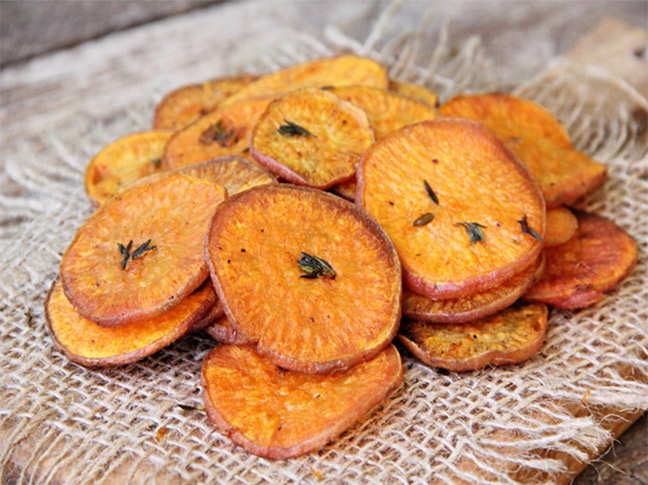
x,y
172,44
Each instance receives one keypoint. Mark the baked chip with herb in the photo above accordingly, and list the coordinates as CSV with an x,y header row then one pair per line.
x,y
590,263
510,336
463,213
311,137
310,278
225,131
142,252
535,136
276,413
184,105
472,307
92,345
336,71
122,162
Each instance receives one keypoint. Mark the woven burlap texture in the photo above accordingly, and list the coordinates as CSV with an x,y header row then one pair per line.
x,y
61,423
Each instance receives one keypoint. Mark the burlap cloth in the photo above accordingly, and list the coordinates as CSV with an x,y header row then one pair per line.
x,y
62,423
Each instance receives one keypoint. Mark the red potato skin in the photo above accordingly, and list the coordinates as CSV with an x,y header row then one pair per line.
x,y
304,447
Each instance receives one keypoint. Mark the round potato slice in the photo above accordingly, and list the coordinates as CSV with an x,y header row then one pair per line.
x,y
142,252
309,277
563,173
275,413
561,226
219,133
311,137
337,71
463,213
508,337
592,262
91,345
123,161
479,305
415,91
387,111
186,104
223,331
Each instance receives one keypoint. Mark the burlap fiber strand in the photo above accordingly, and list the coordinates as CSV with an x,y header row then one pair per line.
x,y
66,424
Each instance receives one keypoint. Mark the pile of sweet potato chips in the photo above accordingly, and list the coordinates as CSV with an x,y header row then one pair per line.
x,y
297,216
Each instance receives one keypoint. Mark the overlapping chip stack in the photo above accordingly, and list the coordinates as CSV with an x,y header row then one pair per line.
x,y
224,218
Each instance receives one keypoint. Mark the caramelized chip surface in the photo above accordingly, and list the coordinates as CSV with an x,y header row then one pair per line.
x,y
276,413
91,345
561,226
387,111
510,336
166,222
592,262
479,305
563,173
337,71
186,104
414,91
311,137
453,200
225,131
223,331
314,321
122,162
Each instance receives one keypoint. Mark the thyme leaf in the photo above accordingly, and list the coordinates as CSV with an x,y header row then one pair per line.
x,y
524,224
314,267
218,133
430,192
125,251
474,230
424,219
137,253
291,129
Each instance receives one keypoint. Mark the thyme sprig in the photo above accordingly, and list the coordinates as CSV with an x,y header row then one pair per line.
x,y
291,129
137,253
524,224
474,230
314,267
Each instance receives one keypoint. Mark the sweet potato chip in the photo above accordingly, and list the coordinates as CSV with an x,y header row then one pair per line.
x,y
186,104
337,71
462,212
561,226
276,413
479,305
308,276
123,161
142,252
508,337
234,173
387,111
563,173
311,137
91,345
592,262
219,133
415,91
223,331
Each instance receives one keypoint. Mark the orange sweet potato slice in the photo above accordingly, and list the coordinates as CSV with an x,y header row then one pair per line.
x,y
225,131
387,111
142,252
123,161
563,173
463,213
309,277
415,91
508,337
223,331
479,305
337,71
561,226
91,345
311,137
186,104
275,413
592,262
